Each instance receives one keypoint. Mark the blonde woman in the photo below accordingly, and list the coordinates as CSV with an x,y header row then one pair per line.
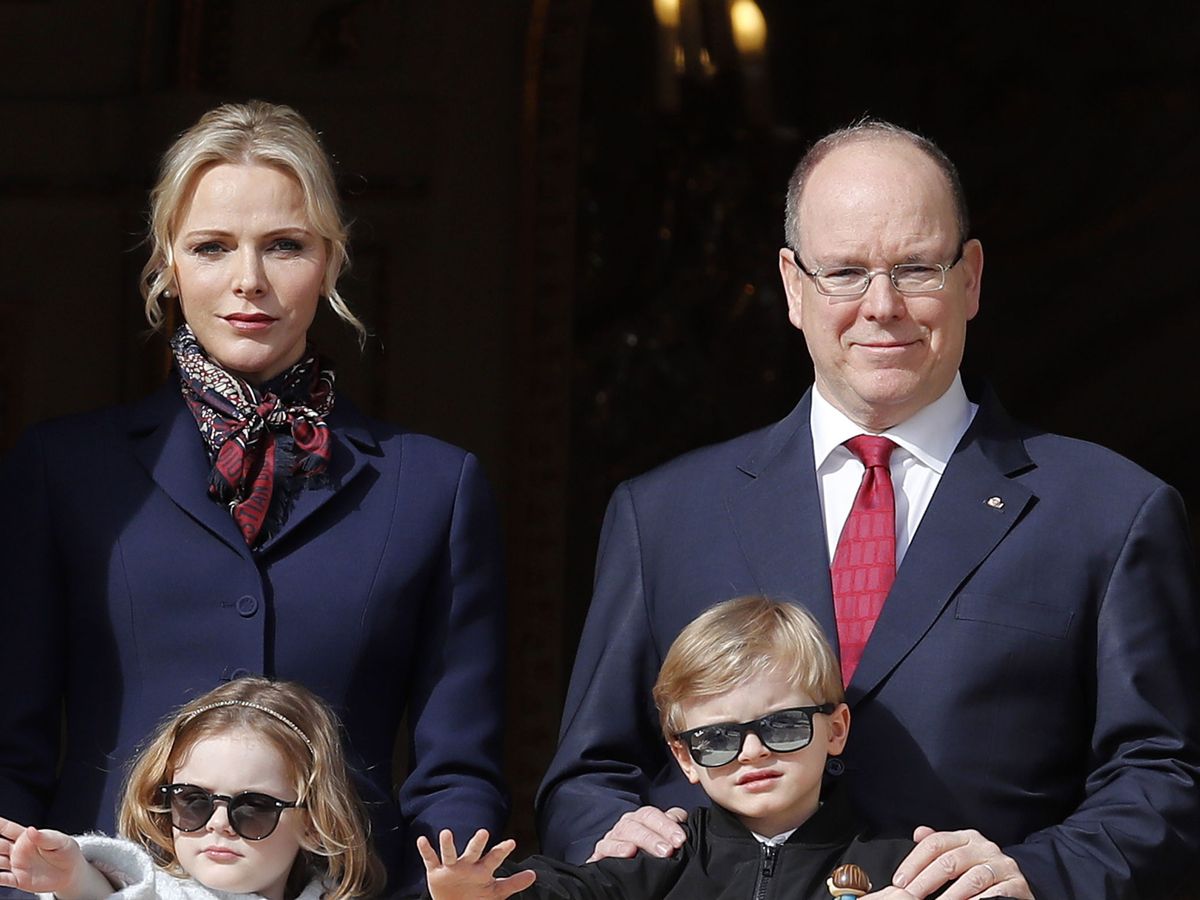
x,y
248,519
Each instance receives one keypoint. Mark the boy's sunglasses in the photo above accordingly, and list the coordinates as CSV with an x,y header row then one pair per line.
x,y
251,815
782,731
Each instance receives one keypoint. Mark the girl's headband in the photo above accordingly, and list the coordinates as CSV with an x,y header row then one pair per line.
x,y
252,705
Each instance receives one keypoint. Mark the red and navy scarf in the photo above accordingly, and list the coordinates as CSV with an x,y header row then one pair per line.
x,y
262,441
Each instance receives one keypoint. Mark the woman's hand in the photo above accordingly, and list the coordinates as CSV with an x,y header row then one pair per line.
x,y
472,875
41,860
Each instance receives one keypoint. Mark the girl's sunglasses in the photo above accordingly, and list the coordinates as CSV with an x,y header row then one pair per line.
x,y
782,731
251,815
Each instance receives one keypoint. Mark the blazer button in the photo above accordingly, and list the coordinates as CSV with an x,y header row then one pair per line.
x,y
247,606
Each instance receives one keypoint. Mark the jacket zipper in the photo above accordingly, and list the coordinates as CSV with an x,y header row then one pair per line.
x,y
766,868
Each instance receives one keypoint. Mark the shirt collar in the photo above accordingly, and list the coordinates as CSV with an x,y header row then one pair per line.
x,y
930,435
776,840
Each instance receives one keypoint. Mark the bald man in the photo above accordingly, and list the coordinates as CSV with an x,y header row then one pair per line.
x,y
1023,692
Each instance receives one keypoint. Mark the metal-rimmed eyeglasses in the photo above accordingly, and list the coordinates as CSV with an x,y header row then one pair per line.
x,y
782,731
843,283
251,815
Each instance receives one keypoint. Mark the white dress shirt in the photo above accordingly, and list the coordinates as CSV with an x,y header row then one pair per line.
x,y
924,444
776,840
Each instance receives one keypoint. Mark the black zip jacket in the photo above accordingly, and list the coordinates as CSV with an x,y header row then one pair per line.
x,y
722,860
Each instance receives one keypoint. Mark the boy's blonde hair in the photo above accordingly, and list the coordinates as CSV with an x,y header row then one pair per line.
x,y
340,853
246,134
735,641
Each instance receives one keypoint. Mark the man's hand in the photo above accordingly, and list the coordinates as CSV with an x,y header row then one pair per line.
x,y
648,828
471,876
973,866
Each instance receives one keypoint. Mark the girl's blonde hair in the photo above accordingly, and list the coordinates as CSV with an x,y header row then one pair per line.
x,y
307,735
735,641
245,134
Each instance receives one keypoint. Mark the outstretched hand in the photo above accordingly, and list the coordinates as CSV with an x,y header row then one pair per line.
x,y
471,876
40,860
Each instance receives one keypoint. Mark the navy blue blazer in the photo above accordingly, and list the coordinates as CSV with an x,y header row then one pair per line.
x,y
1034,672
126,591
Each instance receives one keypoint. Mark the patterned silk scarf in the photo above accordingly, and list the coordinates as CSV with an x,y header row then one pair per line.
x,y
263,440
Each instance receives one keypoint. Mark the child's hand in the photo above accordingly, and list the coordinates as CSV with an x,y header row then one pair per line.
x,y
40,860
472,875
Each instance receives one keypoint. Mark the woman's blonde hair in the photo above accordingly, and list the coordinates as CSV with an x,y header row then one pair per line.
x,y
245,134
735,641
306,733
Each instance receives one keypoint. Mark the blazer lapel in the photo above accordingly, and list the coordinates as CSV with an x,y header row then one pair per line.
x,y
975,505
353,445
168,444
777,519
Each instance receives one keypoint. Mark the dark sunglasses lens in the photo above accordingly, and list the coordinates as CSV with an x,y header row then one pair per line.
x,y
191,808
714,746
254,816
786,731
713,758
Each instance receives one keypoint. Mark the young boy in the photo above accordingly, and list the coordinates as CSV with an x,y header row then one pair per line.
x,y
751,704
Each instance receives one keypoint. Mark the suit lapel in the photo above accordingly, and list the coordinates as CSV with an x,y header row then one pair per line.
x,y
353,445
975,505
167,443
777,519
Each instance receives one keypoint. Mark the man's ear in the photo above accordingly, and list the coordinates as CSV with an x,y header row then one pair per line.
x,y
972,263
686,763
839,729
793,285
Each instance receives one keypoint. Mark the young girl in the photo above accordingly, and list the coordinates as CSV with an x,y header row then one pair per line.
x,y
244,791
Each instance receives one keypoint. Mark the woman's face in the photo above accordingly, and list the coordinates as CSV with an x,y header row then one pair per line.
x,y
248,268
216,855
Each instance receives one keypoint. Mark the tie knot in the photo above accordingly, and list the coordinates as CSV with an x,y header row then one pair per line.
x,y
871,449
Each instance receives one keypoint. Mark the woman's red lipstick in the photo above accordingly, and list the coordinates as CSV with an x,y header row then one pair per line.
x,y
249,321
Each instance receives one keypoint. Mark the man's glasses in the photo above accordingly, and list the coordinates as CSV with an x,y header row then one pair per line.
x,y
842,283
782,731
252,815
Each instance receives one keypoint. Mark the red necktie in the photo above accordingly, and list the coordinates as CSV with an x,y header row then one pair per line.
x,y
864,565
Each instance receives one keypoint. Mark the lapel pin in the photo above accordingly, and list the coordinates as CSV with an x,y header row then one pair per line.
x,y
995,503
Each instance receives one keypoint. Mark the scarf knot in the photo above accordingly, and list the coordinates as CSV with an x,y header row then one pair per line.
x,y
263,442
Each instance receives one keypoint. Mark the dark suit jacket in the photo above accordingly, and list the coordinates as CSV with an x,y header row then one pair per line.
x,y
1033,673
126,590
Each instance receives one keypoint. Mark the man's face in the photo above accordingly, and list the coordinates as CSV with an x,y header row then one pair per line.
x,y
884,356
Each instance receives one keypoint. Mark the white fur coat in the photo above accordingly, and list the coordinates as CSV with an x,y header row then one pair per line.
x,y
126,864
